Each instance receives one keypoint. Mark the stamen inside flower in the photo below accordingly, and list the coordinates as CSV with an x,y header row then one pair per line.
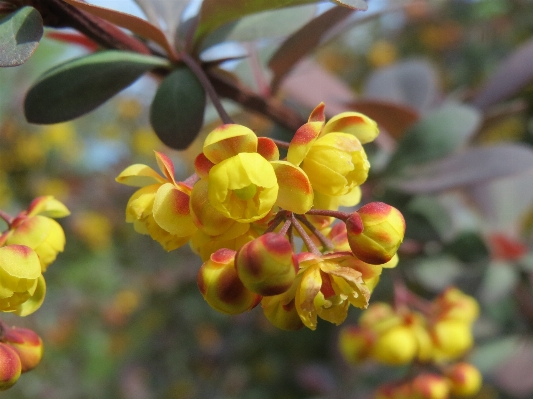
x,y
246,193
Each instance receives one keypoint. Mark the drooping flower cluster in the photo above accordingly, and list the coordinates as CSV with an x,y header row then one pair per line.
x,y
439,335
28,246
245,209
21,350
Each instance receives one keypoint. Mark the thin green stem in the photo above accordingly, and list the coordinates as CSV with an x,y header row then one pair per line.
x,y
207,85
326,242
305,237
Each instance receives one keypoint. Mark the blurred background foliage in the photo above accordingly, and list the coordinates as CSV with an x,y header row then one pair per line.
x,y
124,319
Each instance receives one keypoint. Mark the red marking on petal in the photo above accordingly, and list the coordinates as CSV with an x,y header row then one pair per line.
x,y
267,148
289,306
276,244
376,208
165,165
318,115
305,134
181,202
21,250
354,224
223,255
327,287
202,165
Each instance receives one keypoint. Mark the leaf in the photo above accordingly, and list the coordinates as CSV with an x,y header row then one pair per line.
x,y
167,11
512,75
437,273
136,25
355,4
438,134
436,214
412,83
394,118
498,282
310,85
215,13
303,42
493,198
20,33
177,111
473,166
488,356
78,86
263,25
73,38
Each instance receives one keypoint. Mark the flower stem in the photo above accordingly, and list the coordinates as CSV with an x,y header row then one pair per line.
x,y
334,214
276,221
305,237
206,83
7,218
285,227
279,143
326,242
191,180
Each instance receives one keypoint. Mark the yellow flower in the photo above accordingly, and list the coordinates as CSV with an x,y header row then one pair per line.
x,y
160,207
326,286
243,187
20,271
358,125
336,164
33,228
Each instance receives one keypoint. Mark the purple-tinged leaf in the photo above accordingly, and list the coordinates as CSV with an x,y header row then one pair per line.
x,y
310,85
412,83
470,167
354,4
302,42
513,75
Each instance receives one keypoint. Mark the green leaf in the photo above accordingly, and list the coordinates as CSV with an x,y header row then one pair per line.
x,y
438,134
488,356
438,272
20,33
264,25
78,86
215,13
177,111
498,282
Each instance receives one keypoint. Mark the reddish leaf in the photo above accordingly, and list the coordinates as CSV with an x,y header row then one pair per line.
x,y
473,166
411,82
394,118
136,25
310,85
73,38
513,74
302,42
355,4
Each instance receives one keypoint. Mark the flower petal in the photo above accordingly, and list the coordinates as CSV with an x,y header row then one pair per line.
x,y
295,192
139,175
171,211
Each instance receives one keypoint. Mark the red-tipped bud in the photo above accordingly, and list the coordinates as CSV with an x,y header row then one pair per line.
x,y
27,344
465,380
267,264
375,232
220,286
355,343
10,366
430,386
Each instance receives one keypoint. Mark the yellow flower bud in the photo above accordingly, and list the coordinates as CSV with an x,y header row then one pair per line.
x,y
281,311
27,344
354,123
267,265
465,379
227,141
452,338
430,386
395,346
355,343
10,366
220,286
375,232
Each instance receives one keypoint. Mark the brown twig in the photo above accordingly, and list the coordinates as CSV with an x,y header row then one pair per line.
x,y
326,242
305,237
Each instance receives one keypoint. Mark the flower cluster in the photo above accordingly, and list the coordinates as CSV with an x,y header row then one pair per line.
x,y
28,246
436,336
21,350
245,210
